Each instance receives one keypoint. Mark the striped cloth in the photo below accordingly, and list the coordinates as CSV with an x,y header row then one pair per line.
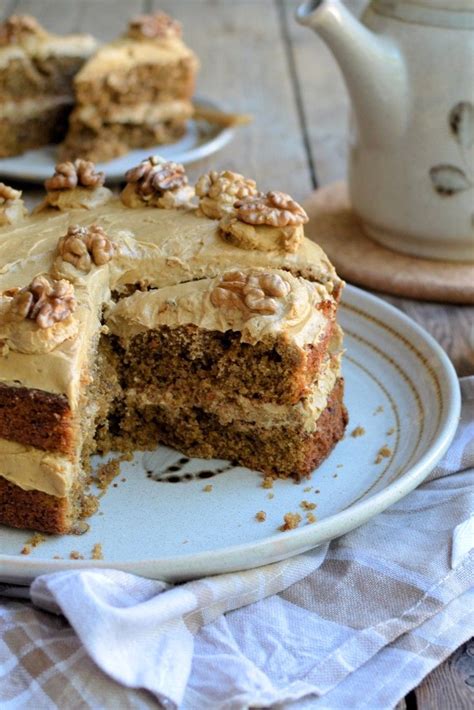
x,y
354,624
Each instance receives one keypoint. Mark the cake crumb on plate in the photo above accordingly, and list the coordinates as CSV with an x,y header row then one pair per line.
x,y
384,453
291,521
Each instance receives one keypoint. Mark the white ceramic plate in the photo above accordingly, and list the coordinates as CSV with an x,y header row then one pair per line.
x,y
400,387
201,140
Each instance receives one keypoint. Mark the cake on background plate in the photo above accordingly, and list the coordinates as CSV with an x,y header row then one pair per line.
x,y
200,318
135,92
36,73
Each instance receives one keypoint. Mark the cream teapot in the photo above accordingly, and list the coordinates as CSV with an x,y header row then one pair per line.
x,y
409,69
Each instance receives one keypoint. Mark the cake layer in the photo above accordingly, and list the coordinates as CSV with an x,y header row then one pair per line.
x,y
35,510
31,77
36,418
113,139
18,135
234,407
284,450
128,71
140,113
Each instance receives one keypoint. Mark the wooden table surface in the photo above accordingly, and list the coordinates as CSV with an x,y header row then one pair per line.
x,y
256,59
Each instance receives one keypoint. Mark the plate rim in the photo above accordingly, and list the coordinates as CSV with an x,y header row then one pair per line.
x,y
299,540
223,136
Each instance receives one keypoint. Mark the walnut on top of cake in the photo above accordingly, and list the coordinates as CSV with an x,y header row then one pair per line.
x,y
75,185
157,182
158,25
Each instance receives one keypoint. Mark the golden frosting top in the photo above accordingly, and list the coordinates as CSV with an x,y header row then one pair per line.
x,y
150,39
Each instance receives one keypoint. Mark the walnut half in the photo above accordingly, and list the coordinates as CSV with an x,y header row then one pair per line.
x,y
80,173
156,26
45,301
250,293
156,175
17,28
275,209
8,194
218,191
84,246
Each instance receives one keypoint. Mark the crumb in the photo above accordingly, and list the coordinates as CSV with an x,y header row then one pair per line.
x,y
185,542
391,431
57,557
384,453
310,517
308,489
208,488
270,496
115,485
334,475
97,553
340,465
291,521
123,480
317,490
379,410
267,482
90,504
358,431
261,516
107,472
36,539
33,541
306,505
75,555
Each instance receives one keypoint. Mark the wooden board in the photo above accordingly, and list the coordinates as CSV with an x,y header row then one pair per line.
x,y
360,260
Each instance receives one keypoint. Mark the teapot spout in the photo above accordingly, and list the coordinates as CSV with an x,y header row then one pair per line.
x,y
372,66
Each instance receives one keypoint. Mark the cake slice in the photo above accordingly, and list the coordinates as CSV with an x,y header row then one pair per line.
x,y
152,317
36,73
134,93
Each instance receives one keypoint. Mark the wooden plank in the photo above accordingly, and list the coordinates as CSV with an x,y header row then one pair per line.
x,y
108,19
245,69
7,8
451,685
105,19
323,96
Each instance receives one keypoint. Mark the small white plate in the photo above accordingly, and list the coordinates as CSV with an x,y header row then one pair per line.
x,y
201,140
400,388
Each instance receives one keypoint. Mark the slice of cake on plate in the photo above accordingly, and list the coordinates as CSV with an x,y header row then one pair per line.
x,y
134,93
206,322
36,73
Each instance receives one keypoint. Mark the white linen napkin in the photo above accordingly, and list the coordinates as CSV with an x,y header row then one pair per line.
x,y
354,624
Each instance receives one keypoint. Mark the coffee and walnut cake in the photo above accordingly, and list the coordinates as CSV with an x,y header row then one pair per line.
x,y
36,73
200,317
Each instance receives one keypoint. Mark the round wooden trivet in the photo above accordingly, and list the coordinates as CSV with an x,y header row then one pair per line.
x,y
361,261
